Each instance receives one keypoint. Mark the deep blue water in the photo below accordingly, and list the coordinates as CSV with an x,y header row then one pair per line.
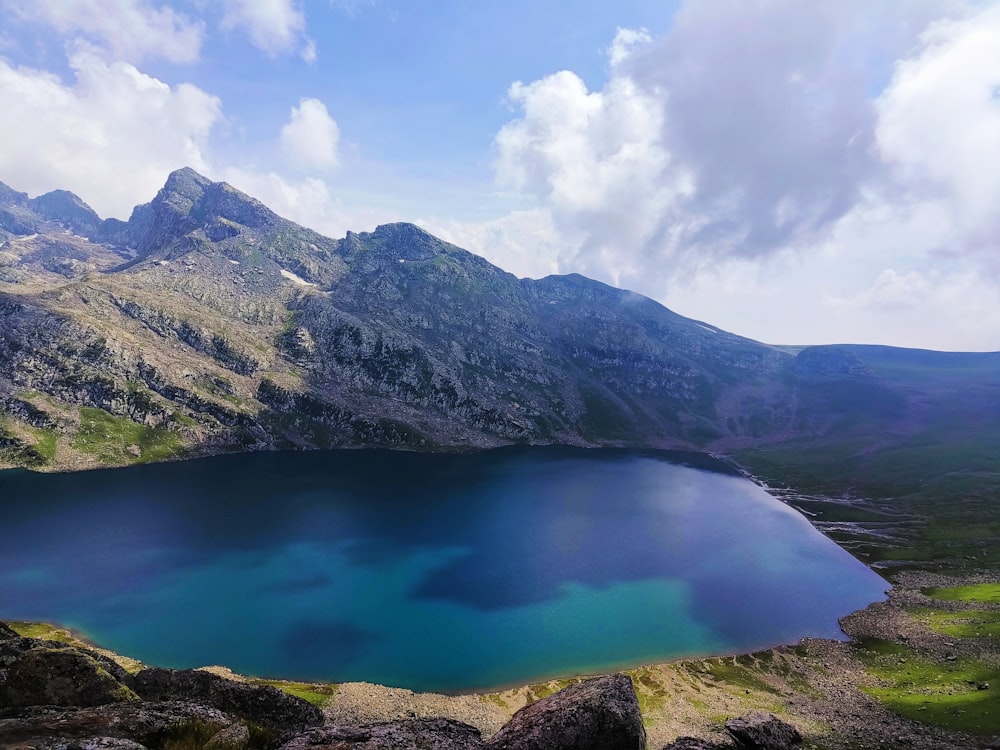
x,y
433,572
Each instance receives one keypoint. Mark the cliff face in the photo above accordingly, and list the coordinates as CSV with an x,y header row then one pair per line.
x,y
208,323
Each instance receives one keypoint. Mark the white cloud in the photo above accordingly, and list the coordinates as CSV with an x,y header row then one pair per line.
x,y
939,126
129,29
597,162
275,26
310,138
756,178
307,201
525,243
624,43
112,135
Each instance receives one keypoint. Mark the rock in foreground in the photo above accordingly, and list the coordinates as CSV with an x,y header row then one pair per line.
x,y
762,731
597,714
426,734
261,704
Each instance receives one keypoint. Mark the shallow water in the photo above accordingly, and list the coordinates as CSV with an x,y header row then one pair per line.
x,y
426,571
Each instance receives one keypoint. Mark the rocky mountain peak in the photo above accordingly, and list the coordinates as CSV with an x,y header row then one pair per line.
x,y
10,197
68,209
184,187
189,202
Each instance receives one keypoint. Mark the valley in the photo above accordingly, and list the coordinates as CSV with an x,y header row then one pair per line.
x,y
206,324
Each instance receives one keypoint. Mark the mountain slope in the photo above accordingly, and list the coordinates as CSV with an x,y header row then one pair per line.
x,y
208,323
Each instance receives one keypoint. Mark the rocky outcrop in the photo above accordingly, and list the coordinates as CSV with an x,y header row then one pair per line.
x,y
54,676
262,704
598,714
694,743
147,724
763,731
57,696
425,734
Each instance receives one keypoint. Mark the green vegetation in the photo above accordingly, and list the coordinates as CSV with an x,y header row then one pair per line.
x,y
743,672
191,735
45,631
46,444
977,624
545,689
984,593
319,694
17,447
934,497
651,693
115,440
959,694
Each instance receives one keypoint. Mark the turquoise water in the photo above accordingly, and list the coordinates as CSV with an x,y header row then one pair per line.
x,y
426,571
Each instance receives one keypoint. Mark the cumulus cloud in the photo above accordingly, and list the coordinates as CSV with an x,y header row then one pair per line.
x,y
847,148
308,201
625,41
111,135
939,127
595,158
129,29
310,138
275,26
525,243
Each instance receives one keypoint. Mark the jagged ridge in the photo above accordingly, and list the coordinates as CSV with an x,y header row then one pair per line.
x,y
208,323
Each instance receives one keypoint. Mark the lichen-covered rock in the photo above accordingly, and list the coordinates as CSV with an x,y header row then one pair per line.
x,y
146,724
6,633
234,737
89,743
261,704
409,734
693,743
763,731
597,714
53,676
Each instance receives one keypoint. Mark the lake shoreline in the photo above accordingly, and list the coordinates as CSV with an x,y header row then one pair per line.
x,y
818,685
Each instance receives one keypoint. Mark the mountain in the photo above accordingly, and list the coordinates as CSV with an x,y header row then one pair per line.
x,y
207,323
210,323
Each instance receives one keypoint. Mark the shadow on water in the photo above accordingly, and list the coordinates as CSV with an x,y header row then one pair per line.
x,y
513,563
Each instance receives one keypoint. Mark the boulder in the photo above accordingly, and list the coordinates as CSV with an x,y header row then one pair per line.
x,y
60,676
145,724
763,731
261,704
694,743
6,632
233,737
597,714
90,743
408,734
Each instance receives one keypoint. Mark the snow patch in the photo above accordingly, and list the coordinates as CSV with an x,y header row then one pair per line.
x,y
707,328
295,278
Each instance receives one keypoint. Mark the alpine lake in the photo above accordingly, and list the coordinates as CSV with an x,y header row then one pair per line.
x,y
440,572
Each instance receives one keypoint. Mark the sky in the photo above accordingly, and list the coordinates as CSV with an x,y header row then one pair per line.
x,y
795,172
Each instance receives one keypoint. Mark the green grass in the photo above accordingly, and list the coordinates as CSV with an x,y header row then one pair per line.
x,y
650,692
45,631
45,444
973,624
191,735
109,439
941,485
730,672
984,593
319,694
947,694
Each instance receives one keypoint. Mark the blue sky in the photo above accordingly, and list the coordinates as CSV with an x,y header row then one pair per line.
x,y
794,172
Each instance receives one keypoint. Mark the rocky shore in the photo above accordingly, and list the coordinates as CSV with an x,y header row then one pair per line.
x,y
816,694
